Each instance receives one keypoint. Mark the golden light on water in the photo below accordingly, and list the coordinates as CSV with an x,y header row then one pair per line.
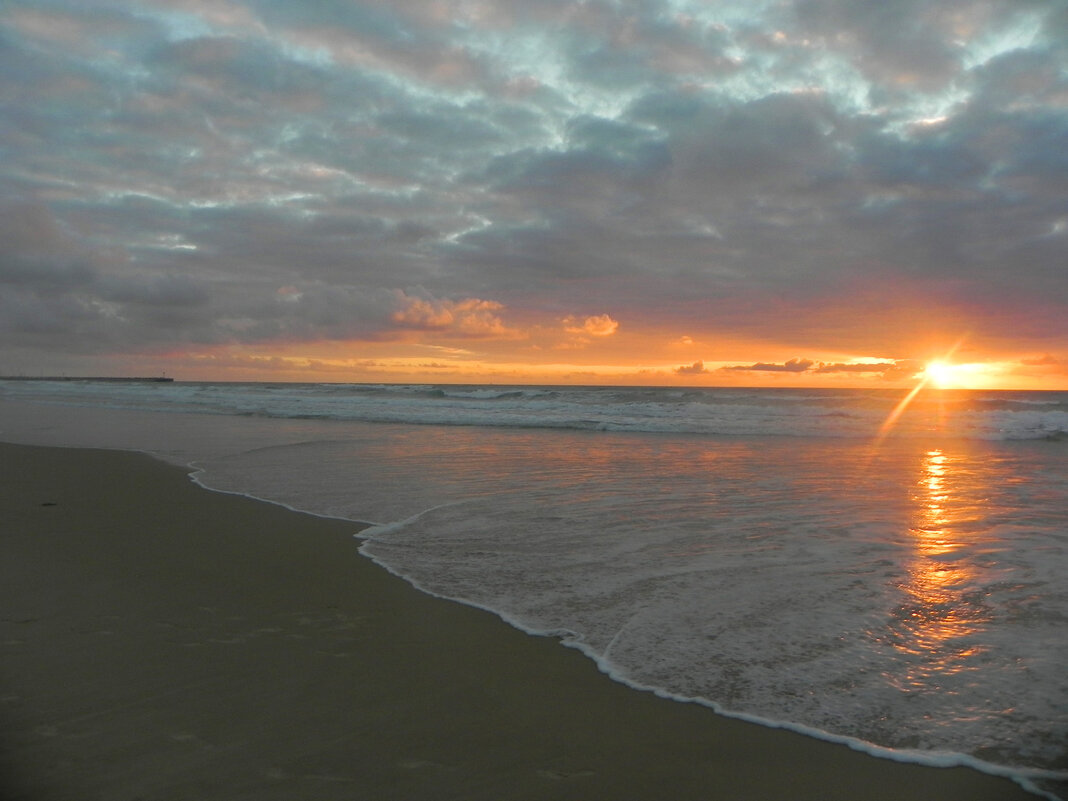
x,y
941,610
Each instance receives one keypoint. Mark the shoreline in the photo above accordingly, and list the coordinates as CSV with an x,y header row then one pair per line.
x,y
165,640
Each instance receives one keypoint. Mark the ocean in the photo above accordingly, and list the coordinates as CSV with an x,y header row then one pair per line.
x,y
786,556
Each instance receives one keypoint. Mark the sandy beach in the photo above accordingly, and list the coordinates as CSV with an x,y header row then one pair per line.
x,y
160,641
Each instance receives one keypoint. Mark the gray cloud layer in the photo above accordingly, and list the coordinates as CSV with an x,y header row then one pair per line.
x,y
831,173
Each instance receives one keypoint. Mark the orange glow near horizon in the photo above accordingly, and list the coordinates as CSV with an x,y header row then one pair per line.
x,y
626,357
947,375
942,374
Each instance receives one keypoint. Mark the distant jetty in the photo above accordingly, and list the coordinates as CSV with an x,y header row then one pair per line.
x,y
142,379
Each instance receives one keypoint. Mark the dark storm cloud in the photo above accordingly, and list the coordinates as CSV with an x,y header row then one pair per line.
x,y
904,45
164,290
763,167
36,251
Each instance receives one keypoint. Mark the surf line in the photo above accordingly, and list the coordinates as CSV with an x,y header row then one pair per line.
x,y
374,530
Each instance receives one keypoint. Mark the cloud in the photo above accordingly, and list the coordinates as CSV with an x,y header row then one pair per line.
x,y
469,317
1041,361
697,368
832,177
792,366
38,253
895,42
288,294
164,290
600,325
795,366
855,367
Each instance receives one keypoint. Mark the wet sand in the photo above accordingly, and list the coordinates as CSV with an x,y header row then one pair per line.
x,y
160,641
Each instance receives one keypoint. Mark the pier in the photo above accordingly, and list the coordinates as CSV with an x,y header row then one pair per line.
x,y
114,379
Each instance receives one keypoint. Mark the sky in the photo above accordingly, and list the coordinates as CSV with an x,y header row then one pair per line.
x,y
700,192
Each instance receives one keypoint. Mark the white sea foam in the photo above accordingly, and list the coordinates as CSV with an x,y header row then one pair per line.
x,y
802,598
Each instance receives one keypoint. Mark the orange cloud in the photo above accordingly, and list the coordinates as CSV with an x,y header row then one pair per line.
x,y
792,366
470,317
288,294
697,368
600,325
1041,361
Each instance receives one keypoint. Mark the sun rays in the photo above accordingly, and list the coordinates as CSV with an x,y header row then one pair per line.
x,y
941,373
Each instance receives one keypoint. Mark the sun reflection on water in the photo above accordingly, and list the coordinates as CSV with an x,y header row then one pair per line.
x,y
943,609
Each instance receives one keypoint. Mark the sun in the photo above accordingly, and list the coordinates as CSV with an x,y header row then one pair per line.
x,y
940,373
944,374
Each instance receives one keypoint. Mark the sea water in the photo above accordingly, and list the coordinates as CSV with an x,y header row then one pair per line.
x,y
780,555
